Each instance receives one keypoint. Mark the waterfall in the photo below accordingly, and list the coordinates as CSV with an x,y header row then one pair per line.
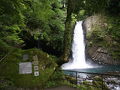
x,y
78,50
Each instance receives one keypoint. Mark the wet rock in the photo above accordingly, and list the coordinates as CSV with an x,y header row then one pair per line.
x,y
101,56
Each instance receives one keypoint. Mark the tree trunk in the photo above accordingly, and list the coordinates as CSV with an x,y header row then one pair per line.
x,y
68,32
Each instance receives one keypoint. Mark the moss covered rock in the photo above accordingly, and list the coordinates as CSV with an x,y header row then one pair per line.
x,y
9,68
102,33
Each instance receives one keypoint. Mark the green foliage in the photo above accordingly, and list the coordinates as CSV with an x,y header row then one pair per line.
x,y
10,35
10,64
10,12
113,32
81,15
44,20
11,19
113,8
114,27
5,83
95,6
90,6
4,49
56,79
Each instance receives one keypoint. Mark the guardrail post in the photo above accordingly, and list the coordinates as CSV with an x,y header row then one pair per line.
x,y
76,79
102,81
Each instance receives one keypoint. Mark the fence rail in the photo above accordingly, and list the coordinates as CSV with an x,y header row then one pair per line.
x,y
102,81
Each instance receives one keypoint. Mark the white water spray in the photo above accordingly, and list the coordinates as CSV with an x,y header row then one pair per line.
x,y
78,50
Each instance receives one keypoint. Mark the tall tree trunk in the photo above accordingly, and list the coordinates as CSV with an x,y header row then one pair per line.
x,y
68,32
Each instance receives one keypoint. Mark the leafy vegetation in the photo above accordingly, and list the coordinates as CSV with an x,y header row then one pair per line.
x,y
25,21
10,73
48,25
56,79
113,32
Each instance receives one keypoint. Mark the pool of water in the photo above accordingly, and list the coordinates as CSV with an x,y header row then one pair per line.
x,y
99,69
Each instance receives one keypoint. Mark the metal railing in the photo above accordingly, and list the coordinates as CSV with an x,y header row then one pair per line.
x,y
97,80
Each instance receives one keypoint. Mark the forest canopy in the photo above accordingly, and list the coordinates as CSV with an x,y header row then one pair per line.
x,y
42,23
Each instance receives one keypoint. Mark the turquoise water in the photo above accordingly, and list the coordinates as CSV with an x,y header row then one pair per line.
x,y
101,69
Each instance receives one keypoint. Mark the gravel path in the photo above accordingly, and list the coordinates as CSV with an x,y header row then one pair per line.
x,y
62,88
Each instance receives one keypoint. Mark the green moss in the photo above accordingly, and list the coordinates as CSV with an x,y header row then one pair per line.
x,y
56,79
99,83
4,82
9,68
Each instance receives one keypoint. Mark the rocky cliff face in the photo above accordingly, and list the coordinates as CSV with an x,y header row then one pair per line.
x,y
97,48
101,55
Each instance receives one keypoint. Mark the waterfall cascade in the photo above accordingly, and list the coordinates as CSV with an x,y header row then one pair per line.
x,y
78,50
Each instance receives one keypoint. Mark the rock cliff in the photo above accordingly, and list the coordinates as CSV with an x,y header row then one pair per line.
x,y
96,40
